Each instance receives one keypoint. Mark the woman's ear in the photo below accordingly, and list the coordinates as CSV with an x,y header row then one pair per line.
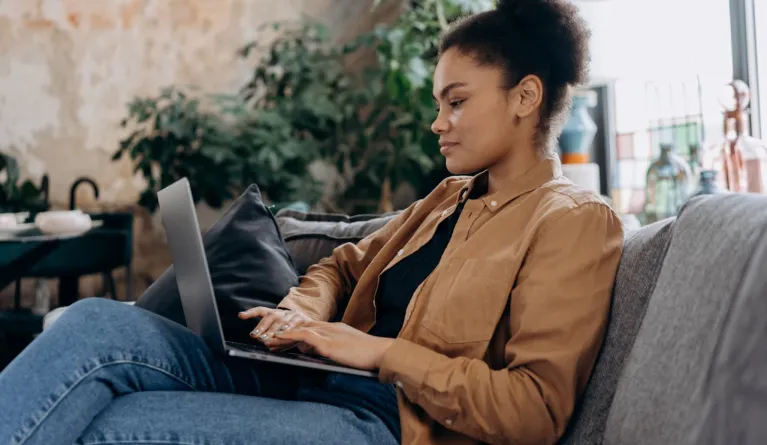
x,y
530,92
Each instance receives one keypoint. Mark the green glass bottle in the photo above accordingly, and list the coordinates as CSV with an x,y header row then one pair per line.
x,y
669,184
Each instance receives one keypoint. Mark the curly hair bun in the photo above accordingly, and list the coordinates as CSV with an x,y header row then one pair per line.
x,y
545,20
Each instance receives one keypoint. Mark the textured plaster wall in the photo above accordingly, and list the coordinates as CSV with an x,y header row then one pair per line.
x,y
68,67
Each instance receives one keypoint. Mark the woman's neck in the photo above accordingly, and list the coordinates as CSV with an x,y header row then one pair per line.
x,y
506,171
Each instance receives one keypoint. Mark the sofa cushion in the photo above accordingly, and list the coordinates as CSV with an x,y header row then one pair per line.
x,y
658,399
313,236
249,266
643,252
735,389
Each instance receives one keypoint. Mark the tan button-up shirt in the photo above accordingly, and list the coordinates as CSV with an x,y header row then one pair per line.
x,y
500,340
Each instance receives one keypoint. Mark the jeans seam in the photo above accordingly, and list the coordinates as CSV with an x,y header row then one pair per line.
x,y
37,423
170,442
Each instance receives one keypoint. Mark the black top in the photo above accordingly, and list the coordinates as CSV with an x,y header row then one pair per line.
x,y
398,284
395,288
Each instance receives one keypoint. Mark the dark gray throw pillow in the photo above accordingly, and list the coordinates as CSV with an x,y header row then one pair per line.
x,y
249,266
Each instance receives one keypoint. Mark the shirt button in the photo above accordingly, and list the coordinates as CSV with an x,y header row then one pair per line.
x,y
449,422
399,384
493,203
401,251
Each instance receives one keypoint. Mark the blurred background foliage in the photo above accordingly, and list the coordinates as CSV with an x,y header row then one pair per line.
x,y
304,110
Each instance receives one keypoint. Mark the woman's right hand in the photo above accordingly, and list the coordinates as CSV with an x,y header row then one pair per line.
x,y
273,321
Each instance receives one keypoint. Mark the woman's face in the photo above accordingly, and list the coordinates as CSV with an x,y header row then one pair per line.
x,y
479,121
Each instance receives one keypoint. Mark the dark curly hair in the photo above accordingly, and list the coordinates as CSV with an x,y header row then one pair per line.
x,y
546,38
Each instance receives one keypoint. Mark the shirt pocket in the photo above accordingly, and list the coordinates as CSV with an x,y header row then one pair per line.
x,y
468,300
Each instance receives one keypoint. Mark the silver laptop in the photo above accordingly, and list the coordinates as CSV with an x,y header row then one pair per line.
x,y
196,289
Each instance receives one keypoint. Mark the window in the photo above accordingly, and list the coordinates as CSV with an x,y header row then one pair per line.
x,y
666,62
760,21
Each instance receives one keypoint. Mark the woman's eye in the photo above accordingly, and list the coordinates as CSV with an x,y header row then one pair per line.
x,y
453,104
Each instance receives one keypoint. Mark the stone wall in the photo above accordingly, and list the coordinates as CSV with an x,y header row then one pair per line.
x,y
68,68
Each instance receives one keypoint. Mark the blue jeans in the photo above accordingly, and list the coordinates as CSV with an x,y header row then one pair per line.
x,y
108,373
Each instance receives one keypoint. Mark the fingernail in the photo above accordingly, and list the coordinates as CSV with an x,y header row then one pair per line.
x,y
263,336
282,328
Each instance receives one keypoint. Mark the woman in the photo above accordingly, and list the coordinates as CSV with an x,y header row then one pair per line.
x,y
482,306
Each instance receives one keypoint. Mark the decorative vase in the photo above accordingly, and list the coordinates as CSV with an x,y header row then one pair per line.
x,y
579,131
708,184
740,158
669,181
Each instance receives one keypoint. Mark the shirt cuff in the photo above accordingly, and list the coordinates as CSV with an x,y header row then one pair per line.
x,y
405,364
293,304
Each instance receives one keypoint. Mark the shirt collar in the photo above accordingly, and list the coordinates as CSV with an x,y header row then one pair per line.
x,y
533,178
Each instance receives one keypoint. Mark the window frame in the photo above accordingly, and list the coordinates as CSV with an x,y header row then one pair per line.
x,y
744,57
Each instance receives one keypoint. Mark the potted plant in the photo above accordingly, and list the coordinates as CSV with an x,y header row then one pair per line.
x,y
372,127
215,142
302,107
17,196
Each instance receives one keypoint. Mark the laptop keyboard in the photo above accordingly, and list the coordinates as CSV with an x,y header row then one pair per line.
x,y
287,354
248,347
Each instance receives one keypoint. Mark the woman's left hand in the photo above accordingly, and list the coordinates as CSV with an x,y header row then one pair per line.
x,y
340,342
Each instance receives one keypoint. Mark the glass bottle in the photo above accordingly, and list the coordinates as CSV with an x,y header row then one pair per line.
x,y
695,165
740,159
669,182
708,184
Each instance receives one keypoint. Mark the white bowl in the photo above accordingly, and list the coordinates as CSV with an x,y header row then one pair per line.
x,y
63,222
21,217
8,221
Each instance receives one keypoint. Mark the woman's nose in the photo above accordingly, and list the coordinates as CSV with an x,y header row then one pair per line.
x,y
440,125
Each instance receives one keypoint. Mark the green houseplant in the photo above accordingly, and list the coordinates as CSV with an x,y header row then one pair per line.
x,y
402,83
216,143
16,195
372,127
369,129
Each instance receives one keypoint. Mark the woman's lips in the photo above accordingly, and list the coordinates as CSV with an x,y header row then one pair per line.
x,y
446,147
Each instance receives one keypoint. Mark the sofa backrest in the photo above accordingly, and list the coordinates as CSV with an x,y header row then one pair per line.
x,y
735,388
659,395
311,237
640,264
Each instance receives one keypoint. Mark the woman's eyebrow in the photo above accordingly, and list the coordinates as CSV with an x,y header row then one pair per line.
x,y
448,88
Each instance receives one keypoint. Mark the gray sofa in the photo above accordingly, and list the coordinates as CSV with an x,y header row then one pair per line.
x,y
685,356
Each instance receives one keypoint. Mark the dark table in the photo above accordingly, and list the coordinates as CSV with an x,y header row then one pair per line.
x,y
22,253
31,254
